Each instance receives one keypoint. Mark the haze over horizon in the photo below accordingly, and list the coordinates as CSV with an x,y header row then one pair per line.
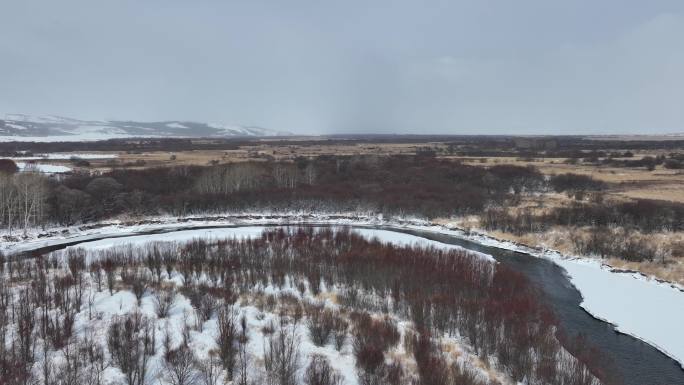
x,y
441,67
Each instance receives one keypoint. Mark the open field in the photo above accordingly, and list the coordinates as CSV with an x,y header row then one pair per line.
x,y
661,183
621,182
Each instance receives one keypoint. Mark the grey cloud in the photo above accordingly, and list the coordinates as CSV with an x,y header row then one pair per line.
x,y
529,66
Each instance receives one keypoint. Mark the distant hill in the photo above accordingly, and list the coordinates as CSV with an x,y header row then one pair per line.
x,y
56,128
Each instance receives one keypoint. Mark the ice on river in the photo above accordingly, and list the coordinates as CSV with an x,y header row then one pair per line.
x,y
248,232
643,308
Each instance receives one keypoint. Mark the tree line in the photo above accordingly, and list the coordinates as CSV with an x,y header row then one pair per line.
x,y
393,185
23,201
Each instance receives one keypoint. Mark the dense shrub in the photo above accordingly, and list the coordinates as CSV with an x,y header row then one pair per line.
x,y
445,292
574,182
674,164
319,372
320,322
7,166
419,185
131,343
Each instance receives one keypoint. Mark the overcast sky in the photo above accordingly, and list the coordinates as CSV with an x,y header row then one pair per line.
x,y
382,66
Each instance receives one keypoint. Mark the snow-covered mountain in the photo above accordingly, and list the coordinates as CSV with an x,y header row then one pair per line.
x,y
27,127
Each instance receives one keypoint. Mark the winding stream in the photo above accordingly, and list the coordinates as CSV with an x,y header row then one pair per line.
x,y
636,362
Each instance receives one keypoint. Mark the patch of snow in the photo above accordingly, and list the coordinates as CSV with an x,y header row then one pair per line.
x,y
402,239
251,232
38,119
175,125
43,168
95,129
248,232
65,156
15,126
234,129
83,137
229,128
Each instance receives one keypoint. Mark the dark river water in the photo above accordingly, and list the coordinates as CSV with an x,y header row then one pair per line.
x,y
634,361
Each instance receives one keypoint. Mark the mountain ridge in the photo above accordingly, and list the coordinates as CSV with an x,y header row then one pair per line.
x,y
63,128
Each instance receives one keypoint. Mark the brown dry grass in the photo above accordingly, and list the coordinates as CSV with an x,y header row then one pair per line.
x,y
623,183
256,152
327,295
558,238
673,271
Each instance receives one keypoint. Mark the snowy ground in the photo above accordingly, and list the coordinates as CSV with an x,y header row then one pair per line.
x,y
44,168
64,156
637,305
106,306
83,137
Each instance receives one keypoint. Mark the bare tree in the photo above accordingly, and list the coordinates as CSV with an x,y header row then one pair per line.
x,y
96,273
320,322
310,174
131,343
211,181
179,366
209,369
282,356
9,201
243,355
32,193
71,371
138,281
163,301
228,179
95,355
285,176
226,339
109,266
241,177
319,372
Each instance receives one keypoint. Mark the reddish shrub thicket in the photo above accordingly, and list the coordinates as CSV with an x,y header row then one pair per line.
x,y
452,292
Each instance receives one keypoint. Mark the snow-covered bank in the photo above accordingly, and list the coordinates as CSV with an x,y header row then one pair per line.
x,y
644,308
250,232
36,238
640,306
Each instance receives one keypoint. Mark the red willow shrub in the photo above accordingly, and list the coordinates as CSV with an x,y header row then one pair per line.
x,y
444,291
454,292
